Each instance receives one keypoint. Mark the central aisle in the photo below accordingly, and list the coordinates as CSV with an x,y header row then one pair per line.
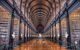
x,y
39,44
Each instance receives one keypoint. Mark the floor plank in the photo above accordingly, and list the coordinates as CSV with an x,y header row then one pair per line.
x,y
39,45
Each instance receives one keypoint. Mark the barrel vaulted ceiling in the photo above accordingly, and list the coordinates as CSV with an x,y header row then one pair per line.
x,y
40,12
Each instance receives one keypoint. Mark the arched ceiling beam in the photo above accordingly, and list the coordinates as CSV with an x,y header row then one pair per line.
x,y
38,15
46,12
42,8
42,5
36,0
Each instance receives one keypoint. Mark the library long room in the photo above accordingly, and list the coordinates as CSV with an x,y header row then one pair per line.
x,y
39,24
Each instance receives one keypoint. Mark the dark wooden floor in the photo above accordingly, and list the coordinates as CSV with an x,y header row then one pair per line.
x,y
39,45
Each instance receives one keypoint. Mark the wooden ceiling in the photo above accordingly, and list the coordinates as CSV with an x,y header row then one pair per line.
x,y
41,11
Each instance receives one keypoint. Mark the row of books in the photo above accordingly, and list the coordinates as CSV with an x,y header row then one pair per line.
x,y
4,30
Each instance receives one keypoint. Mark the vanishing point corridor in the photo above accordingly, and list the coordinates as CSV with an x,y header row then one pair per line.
x,y
39,24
